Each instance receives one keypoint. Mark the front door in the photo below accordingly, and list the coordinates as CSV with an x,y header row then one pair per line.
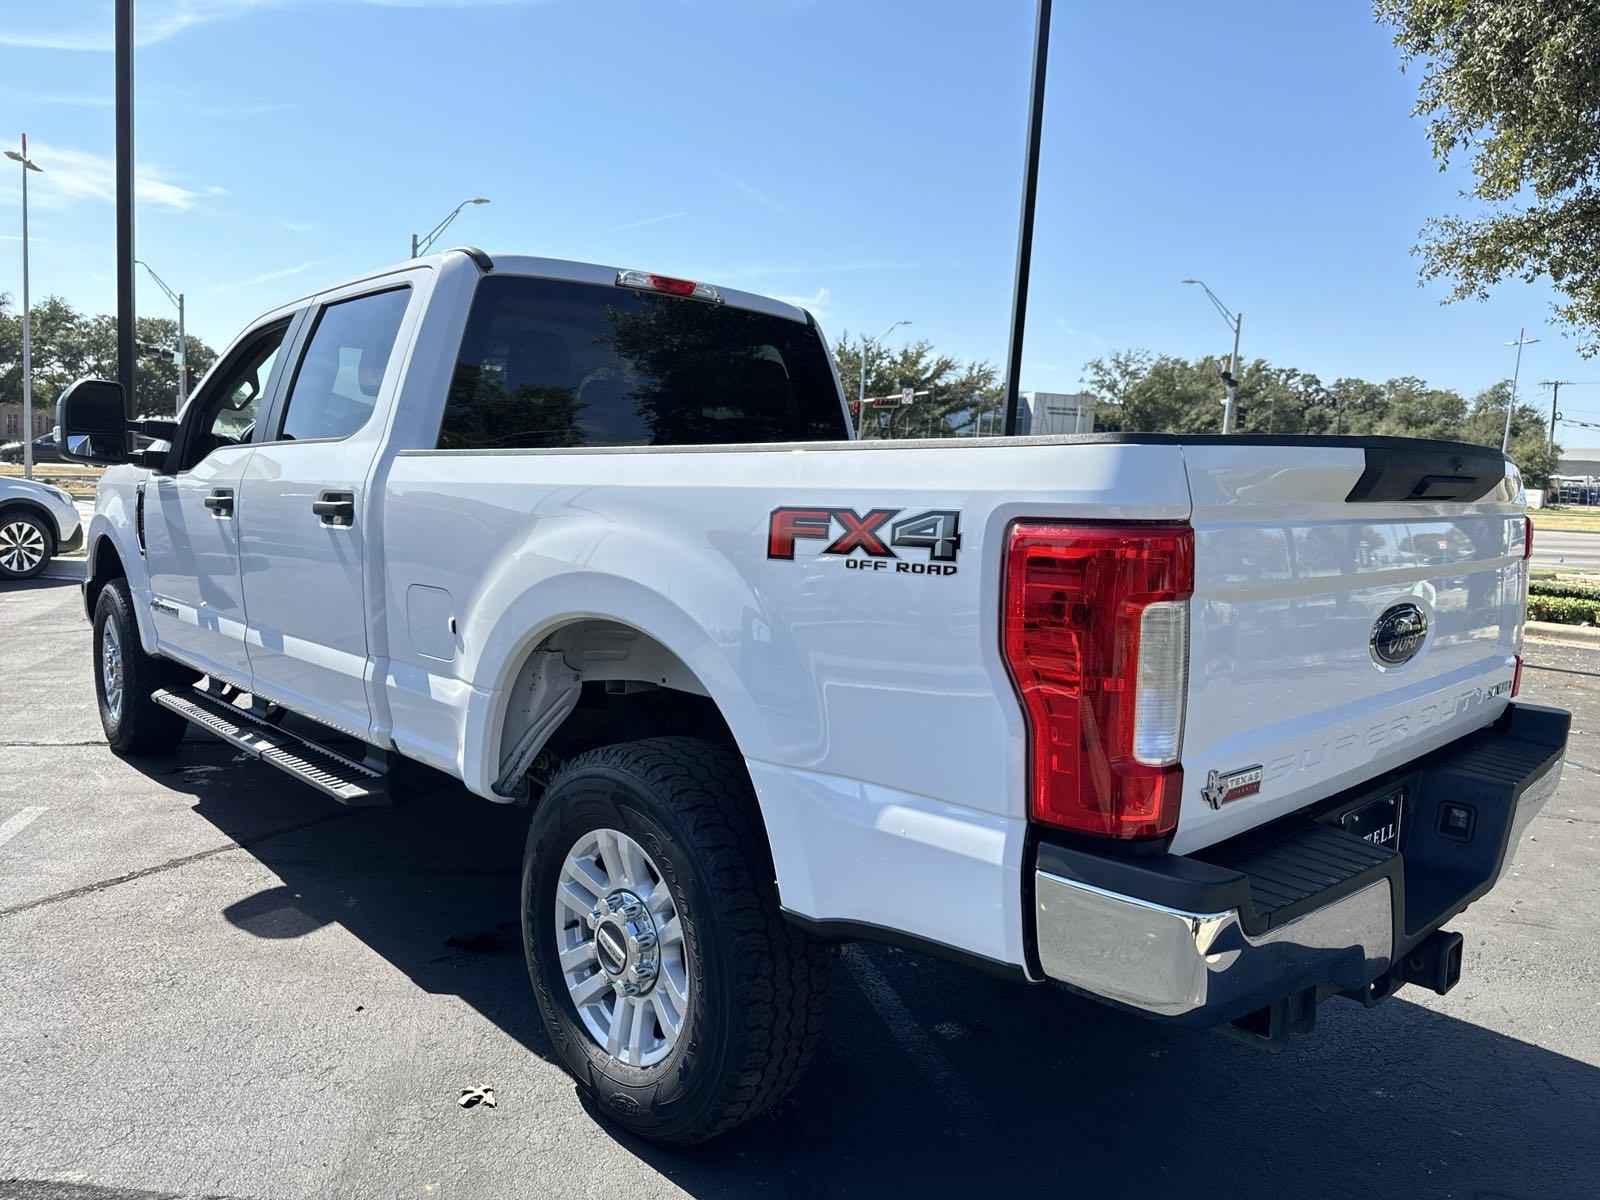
x,y
191,518
303,525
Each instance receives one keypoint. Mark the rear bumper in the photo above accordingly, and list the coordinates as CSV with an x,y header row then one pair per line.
x,y
1301,910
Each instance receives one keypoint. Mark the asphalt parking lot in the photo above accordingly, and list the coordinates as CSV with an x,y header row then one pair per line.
x,y
214,982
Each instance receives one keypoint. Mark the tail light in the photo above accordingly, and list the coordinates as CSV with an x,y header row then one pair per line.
x,y
1527,538
1516,676
1096,637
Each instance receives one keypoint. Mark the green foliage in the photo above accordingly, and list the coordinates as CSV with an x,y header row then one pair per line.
x,y
963,398
1563,591
1514,85
1143,392
68,345
1564,610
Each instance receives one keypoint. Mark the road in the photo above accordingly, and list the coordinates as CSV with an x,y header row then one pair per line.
x,y
217,983
1566,548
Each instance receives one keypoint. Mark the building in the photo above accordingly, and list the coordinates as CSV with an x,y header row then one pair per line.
x,y
1056,412
44,419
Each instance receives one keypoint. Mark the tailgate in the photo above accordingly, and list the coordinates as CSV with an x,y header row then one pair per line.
x,y
1353,608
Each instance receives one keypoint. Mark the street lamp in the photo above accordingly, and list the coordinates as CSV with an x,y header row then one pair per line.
x,y
1231,377
420,245
183,345
27,325
1522,340
861,394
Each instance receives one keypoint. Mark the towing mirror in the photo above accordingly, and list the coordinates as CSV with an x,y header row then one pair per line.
x,y
93,423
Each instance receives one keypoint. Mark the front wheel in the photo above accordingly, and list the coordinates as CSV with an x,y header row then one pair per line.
x,y
672,988
25,545
125,676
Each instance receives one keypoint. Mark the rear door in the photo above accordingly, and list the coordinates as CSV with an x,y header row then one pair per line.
x,y
1352,610
302,526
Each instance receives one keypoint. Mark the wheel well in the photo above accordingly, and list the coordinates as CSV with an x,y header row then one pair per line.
x,y
596,683
107,566
43,514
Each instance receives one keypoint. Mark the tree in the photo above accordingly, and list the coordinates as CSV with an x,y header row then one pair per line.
x,y
1514,84
1137,391
961,398
67,345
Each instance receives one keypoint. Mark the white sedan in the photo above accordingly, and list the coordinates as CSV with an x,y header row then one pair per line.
x,y
37,522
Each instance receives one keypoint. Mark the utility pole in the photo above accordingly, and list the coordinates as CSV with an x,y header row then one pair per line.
x,y
861,391
1230,377
126,311
1555,386
1030,191
183,345
27,318
1522,340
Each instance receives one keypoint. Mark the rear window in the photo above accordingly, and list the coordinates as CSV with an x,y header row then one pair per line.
x,y
547,363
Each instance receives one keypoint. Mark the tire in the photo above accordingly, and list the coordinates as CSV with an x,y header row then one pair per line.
x,y
27,543
754,986
134,723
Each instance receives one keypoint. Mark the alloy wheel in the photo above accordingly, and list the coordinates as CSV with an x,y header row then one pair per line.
x,y
621,947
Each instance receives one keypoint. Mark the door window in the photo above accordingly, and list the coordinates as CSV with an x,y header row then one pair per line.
x,y
336,386
226,411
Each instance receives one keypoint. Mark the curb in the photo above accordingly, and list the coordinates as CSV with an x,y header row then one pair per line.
x,y
1566,635
77,570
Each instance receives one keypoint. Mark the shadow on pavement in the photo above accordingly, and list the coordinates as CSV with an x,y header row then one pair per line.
x,y
937,1078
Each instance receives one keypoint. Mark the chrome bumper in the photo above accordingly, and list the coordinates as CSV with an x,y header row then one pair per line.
x,y
1203,966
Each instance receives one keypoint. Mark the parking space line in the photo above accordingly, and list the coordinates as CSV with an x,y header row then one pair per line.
x,y
15,825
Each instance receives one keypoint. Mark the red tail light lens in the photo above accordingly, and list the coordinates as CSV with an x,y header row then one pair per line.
x,y
1105,730
1516,677
1527,537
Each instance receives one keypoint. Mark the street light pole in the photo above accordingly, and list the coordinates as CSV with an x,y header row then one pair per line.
x,y
861,394
1231,380
1522,340
419,246
27,318
183,345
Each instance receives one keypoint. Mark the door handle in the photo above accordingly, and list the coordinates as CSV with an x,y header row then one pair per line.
x,y
220,502
335,508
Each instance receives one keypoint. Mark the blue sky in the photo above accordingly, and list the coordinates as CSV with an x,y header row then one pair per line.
x,y
862,156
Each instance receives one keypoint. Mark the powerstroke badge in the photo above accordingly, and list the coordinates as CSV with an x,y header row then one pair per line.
x,y
876,534
1222,786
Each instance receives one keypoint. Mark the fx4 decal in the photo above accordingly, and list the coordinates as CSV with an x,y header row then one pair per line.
x,y
938,531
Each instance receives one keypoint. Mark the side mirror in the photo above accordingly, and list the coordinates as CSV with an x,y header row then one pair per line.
x,y
93,423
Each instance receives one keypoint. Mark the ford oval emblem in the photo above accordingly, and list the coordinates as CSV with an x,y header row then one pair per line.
x,y
1399,634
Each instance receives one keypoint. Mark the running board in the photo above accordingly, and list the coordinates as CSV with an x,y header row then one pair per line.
x,y
346,780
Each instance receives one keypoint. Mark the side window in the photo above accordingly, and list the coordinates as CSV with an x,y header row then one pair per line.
x,y
229,406
336,385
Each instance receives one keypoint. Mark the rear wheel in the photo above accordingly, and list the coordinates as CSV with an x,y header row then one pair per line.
x,y
671,986
125,676
25,545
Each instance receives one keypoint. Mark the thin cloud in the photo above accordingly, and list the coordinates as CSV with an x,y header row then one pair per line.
x,y
750,189
653,220
819,304
762,272
298,226
268,276
90,26
70,174
1067,328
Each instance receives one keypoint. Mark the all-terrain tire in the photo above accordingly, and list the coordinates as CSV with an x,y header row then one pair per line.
x,y
757,985
133,723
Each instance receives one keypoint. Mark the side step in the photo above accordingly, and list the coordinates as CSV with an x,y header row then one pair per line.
x,y
346,780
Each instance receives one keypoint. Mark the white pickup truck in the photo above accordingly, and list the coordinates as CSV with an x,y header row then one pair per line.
x,y
1210,729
